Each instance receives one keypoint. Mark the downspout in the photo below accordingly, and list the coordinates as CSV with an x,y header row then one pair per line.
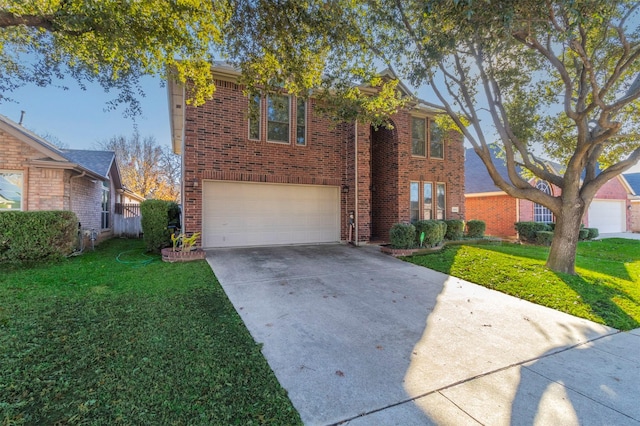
x,y
357,240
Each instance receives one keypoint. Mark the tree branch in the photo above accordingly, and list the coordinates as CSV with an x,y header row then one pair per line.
x,y
8,19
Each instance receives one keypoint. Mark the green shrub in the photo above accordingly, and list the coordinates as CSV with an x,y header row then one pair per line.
x,y
155,222
552,226
476,228
455,229
37,235
544,237
593,233
402,235
434,231
584,234
527,230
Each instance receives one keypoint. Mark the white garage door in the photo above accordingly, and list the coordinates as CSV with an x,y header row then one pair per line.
x,y
254,214
607,216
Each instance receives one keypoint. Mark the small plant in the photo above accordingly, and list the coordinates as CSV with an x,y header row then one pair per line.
x,y
593,233
455,229
433,230
544,237
527,230
183,242
584,234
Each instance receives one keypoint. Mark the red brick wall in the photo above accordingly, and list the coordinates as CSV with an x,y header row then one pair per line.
x,y
384,182
497,211
634,217
217,147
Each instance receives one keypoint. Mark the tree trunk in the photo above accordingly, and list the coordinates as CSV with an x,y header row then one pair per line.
x,y
562,256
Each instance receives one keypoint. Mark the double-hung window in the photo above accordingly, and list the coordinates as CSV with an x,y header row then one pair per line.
x,y
418,137
10,190
278,118
427,204
301,122
255,117
427,201
436,141
414,206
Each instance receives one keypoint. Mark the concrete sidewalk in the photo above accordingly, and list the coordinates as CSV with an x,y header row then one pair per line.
x,y
357,337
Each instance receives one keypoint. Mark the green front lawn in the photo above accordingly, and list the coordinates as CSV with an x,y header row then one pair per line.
x,y
606,289
117,337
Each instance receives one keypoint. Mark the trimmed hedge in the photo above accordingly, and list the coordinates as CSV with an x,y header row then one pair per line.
x,y
593,233
584,234
476,228
544,237
527,230
434,232
155,222
402,235
455,229
37,235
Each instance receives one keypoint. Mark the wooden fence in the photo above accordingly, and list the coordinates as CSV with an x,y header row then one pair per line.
x,y
127,220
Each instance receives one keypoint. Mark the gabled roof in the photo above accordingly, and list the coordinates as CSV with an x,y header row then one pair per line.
x,y
633,179
97,161
477,179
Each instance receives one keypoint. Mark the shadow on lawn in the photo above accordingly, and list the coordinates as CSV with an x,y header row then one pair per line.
x,y
600,298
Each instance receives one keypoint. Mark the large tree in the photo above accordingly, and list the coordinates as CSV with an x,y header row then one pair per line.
x,y
558,75
111,42
146,168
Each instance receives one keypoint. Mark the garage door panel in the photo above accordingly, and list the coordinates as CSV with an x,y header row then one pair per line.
x,y
607,215
245,214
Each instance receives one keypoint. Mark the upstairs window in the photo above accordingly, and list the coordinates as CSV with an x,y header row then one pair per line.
x,y
278,118
436,139
10,191
418,137
255,117
301,120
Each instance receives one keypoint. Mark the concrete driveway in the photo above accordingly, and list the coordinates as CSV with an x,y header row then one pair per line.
x,y
358,337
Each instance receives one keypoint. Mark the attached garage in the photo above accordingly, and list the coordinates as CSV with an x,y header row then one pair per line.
x,y
608,216
256,214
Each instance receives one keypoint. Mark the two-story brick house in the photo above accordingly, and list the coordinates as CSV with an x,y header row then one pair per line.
x,y
285,174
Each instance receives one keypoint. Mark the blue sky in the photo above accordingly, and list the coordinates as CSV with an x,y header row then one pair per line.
x,y
78,118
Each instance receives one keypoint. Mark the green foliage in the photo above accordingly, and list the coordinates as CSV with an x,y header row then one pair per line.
x,y
434,231
113,43
476,228
593,233
544,238
402,235
584,234
100,339
37,236
155,222
455,229
527,230
605,290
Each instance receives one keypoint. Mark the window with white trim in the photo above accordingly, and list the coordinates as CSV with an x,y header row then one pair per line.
x,y
278,129
540,212
10,190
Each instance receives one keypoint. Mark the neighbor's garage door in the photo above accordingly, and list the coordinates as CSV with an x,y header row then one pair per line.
x,y
254,214
607,216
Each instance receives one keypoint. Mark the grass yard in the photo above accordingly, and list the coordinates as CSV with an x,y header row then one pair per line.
x,y
117,337
606,289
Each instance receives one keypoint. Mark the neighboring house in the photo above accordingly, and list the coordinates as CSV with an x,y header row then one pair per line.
x,y
36,175
485,201
633,179
287,175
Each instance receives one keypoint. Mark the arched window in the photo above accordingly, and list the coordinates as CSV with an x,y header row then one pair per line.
x,y
540,212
